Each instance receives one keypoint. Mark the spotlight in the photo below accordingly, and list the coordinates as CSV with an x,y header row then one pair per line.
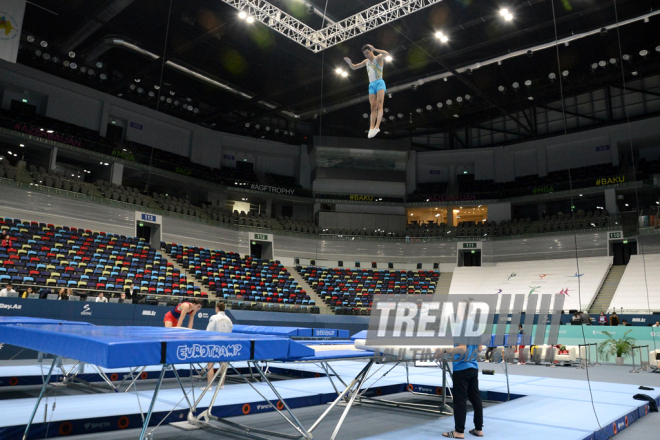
x,y
171,93
168,100
65,63
90,72
515,86
627,58
176,103
565,73
242,15
459,100
99,65
30,39
449,102
439,105
132,87
83,69
151,94
552,77
46,56
250,19
344,74
643,53
429,107
528,83
339,71
195,110
391,118
657,49
613,61
594,66
444,39
37,53
389,95
506,14
140,90
161,99
55,60
602,64
468,98
137,80
72,54
502,89
73,66
399,115
388,58
419,110
257,126
267,128
156,87
247,125
44,43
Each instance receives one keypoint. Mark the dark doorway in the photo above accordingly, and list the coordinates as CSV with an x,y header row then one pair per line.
x,y
115,133
256,249
471,258
622,250
144,231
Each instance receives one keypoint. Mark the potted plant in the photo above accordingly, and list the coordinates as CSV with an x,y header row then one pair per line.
x,y
621,347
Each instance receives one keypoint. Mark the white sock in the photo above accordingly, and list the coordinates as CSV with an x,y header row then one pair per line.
x,y
371,133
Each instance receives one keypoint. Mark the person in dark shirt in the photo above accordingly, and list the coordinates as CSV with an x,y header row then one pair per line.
x,y
625,323
614,319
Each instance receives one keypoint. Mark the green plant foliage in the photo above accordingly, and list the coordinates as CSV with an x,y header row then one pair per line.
x,y
621,347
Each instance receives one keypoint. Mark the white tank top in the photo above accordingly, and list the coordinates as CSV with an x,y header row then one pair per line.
x,y
374,71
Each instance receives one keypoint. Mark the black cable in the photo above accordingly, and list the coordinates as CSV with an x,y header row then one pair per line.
x,y
634,168
570,182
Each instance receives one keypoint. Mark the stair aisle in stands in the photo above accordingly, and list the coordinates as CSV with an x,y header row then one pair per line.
x,y
444,282
606,293
323,307
191,277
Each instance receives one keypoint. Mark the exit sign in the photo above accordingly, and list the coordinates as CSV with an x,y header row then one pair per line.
x,y
261,236
469,245
615,235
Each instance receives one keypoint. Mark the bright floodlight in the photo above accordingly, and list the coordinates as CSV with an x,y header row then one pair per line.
x,y
388,58
552,76
339,71
250,19
429,107
444,38
242,15
438,34
344,74
643,53
504,12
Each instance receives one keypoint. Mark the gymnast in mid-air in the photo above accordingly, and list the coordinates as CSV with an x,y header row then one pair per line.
x,y
377,89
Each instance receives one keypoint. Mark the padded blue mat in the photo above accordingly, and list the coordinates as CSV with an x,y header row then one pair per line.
x,y
116,347
24,320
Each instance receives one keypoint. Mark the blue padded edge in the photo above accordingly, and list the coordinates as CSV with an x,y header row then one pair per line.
x,y
266,330
343,334
25,320
359,335
118,347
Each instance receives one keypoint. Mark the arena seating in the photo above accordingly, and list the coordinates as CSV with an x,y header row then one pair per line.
x,y
289,224
556,277
350,291
244,282
178,205
125,194
641,276
60,256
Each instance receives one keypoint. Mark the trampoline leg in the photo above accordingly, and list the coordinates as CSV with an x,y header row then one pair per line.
x,y
153,402
178,379
359,377
300,428
41,395
350,402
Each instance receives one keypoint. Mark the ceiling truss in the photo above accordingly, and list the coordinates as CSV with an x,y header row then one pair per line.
x,y
334,33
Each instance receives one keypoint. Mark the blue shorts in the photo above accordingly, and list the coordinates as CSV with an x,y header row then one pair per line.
x,y
377,85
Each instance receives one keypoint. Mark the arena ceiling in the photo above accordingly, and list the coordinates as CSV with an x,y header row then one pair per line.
x,y
231,75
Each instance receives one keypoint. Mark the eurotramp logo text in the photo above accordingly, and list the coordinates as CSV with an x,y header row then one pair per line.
x,y
417,327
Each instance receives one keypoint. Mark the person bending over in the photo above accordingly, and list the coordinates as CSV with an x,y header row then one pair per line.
x,y
466,387
222,324
374,64
175,317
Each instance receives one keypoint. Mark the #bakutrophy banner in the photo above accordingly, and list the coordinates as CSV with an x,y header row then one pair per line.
x,y
11,23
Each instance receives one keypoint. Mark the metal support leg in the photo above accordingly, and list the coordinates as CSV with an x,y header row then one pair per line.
x,y
350,403
134,378
360,377
153,402
178,379
41,395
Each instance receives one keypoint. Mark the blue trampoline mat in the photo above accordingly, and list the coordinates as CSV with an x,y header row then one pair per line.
x,y
25,320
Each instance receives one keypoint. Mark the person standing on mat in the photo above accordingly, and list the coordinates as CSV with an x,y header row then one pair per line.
x,y
466,387
175,317
521,348
222,324
377,88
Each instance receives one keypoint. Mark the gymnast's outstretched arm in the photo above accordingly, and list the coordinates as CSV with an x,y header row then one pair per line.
x,y
355,66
